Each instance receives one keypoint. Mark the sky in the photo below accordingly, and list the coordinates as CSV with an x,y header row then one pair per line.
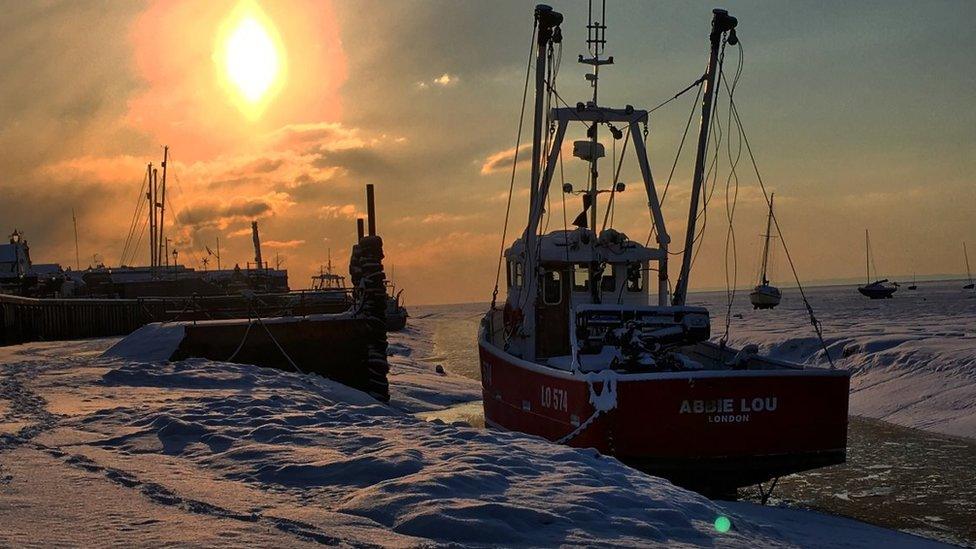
x,y
859,114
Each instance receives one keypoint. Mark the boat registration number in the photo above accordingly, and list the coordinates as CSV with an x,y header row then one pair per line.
x,y
554,399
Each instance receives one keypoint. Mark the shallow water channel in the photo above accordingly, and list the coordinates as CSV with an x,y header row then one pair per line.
x,y
907,479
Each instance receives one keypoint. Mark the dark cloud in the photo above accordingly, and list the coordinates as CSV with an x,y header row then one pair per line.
x,y
265,165
365,162
210,214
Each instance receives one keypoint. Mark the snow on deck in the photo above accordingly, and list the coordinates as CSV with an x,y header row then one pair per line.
x,y
207,453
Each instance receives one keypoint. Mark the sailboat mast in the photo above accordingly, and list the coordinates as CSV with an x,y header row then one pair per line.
x,y
150,196
769,221
867,255
74,221
965,253
722,22
162,205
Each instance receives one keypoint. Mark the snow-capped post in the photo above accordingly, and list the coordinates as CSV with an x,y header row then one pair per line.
x,y
366,272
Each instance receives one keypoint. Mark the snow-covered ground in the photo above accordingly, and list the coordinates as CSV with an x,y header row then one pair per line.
x,y
98,451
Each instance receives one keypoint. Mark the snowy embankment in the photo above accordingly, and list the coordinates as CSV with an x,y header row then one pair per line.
x,y
913,357
100,450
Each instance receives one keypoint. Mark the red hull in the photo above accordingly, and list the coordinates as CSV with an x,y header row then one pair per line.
x,y
704,429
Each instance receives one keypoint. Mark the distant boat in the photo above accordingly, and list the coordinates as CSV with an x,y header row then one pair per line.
x,y
969,275
914,286
765,296
879,289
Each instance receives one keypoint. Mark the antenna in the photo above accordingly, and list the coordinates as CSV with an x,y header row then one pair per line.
x,y
596,41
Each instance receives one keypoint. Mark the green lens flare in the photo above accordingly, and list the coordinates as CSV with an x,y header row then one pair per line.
x,y
723,524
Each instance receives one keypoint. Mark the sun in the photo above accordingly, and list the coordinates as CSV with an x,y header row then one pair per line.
x,y
252,62
250,58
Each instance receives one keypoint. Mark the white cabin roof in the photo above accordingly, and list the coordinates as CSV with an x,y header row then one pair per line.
x,y
582,246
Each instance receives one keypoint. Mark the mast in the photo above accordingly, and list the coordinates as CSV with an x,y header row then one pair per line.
x,y
150,196
722,22
547,24
969,274
74,221
595,41
867,254
546,20
769,221
162,206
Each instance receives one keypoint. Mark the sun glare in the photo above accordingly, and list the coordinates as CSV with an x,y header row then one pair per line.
x,y
250,58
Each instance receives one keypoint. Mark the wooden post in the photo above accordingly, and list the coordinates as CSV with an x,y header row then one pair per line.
x,y
370,210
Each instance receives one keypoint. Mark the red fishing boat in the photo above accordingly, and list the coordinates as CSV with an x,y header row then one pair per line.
x,y
582,354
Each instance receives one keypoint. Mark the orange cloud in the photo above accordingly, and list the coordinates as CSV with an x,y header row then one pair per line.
x,y
283,243
502,161
335,211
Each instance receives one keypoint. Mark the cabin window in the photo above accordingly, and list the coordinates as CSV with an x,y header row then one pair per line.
x,y
581,278
508,273
635,278
552,287
517,276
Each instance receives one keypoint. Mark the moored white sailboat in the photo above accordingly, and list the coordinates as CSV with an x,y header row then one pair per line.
x,y
764,295
881,288
579,354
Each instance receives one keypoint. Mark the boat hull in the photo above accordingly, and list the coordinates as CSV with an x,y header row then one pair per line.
x,y
709,431
765,297
877,292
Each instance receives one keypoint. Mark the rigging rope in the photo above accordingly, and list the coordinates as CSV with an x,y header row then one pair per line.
x,y
680,93
133,224
730,285
674,164
511,187
145,229
616,177
712,172
817,326
176,221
